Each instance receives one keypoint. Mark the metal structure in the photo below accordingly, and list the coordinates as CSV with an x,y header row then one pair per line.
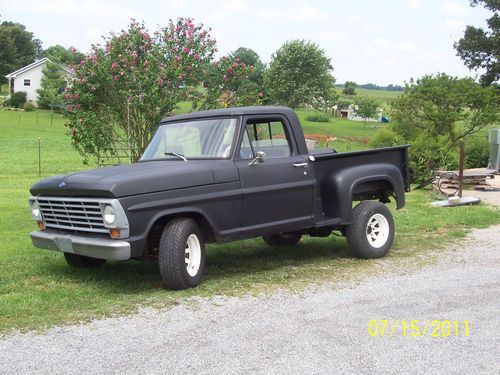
x,y
494,141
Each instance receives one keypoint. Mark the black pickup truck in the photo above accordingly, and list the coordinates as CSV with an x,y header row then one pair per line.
x,y
219,176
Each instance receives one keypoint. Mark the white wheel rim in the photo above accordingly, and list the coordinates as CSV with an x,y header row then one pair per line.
x,y
193,255
377,230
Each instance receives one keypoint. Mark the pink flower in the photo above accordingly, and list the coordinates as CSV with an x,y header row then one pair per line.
x,y
115,78
196,56
186,50
114,66
146,63
261,94
243,65
160,82
178,58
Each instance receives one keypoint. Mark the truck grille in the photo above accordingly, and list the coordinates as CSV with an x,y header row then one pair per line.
x,y
72,213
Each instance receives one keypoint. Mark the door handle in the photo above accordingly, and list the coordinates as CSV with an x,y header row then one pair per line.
x,y
298,165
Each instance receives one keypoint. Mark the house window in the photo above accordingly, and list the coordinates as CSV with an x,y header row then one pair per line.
x,y
27,82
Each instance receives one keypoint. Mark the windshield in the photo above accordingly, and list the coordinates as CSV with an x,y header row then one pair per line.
x,y
211,138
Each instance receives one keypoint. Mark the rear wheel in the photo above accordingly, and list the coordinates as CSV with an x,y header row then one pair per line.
x,y
371,232
283,239
181,254
81,261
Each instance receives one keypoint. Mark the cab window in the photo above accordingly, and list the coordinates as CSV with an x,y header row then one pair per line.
x,y
268,136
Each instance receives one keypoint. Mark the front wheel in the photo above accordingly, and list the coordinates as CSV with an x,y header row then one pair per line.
x,y
181,254
283,239
371,232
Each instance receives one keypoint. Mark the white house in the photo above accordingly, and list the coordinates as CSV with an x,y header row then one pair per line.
x,y
29,78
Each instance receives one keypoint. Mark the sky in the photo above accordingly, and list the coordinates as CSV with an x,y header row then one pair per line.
x,y
381,42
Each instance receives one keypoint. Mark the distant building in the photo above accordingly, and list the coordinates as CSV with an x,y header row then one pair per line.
x,y
29,79
351,115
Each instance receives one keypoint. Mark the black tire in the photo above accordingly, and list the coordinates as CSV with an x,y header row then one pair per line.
x,y
81,261
283,239
359,231
172,254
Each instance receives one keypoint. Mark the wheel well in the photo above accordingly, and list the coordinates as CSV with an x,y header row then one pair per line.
x,y
375,189
156,230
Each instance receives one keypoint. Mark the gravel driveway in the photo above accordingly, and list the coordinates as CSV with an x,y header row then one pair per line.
x,y
323,330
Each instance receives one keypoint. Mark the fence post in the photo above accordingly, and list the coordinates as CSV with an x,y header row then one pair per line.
x,y
39,158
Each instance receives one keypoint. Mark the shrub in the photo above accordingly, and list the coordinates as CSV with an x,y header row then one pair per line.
x,y
17,99
384,137
429,154
476,152
28,107
318,117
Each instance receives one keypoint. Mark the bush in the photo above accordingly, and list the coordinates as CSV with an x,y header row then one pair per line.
x,y
429,154
28,107
384,137
17,99
318,117
477,152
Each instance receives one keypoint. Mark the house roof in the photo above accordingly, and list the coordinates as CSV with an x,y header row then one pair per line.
x,y
31,66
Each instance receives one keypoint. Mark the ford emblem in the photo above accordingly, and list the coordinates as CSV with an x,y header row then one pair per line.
x,y
62,184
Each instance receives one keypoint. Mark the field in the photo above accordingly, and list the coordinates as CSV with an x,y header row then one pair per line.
x,y
38,290
382,95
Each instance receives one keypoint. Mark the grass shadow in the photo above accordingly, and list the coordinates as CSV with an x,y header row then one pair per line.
x,y
226,261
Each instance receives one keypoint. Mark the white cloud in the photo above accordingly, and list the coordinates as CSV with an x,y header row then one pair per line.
x,y
454,8
371,29
91,8
303,13
415,4
224,10
95,33
454,25
407,46
353,18
331,36
381,42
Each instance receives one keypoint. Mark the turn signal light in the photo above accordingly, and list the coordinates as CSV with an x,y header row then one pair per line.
x,y
41,225
115,233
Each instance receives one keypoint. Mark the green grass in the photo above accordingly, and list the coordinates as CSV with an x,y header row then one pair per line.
x,y
38,290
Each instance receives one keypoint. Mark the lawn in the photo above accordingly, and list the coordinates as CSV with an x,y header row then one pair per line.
x,y
38,290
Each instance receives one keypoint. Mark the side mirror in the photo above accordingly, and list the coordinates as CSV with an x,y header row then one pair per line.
x,y
258,159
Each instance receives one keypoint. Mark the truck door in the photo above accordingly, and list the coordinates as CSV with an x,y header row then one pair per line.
x,y
277,188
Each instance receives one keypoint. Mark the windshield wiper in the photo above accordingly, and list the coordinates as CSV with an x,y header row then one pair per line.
x,y
176,154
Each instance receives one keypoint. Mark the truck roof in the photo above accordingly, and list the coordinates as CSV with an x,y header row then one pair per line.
x,y
233,111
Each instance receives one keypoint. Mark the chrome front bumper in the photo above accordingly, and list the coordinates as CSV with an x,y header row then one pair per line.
x,y
91,247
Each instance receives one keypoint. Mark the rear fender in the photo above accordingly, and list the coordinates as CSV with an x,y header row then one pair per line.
x,y
340,186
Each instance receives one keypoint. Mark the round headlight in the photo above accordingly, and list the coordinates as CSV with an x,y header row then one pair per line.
x,y
108,215
35,210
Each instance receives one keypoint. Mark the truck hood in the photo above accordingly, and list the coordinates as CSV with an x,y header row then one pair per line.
x,y
138,178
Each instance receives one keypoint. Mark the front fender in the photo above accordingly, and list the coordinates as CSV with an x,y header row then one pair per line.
x,y
339,186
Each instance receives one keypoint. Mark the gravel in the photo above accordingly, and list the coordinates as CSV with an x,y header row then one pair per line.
x,y
321,330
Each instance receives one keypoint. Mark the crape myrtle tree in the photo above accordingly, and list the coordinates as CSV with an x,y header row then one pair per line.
x,y
299,72
121,90
229,84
